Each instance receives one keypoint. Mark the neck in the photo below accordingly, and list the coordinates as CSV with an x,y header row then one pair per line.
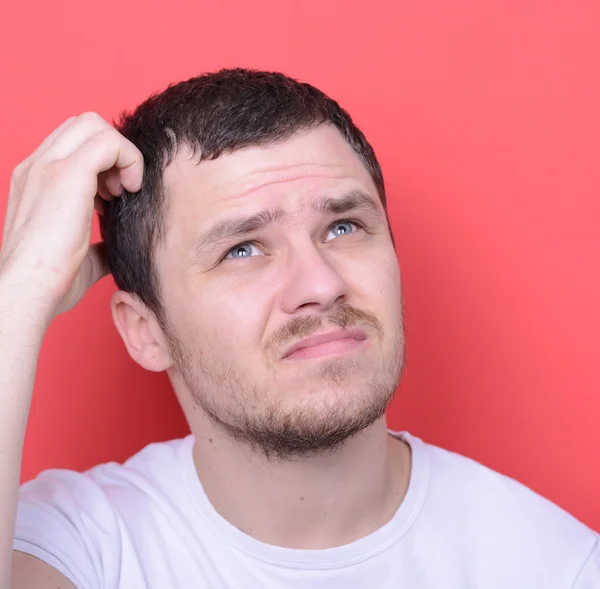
x,y
317,502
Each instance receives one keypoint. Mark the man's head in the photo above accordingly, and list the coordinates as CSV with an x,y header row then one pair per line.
x,y
261,222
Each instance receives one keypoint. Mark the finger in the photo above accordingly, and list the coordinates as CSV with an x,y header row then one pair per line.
x,y
102,190
93,268
99,204
111,182
97,263
109,149
48,141
74,135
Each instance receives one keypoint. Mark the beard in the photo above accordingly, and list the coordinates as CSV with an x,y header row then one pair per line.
x,y
302,412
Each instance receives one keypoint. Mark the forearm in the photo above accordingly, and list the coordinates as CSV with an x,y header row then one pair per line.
x,y
47,265
21,334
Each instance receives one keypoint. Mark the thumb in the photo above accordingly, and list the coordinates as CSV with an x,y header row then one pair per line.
x,y
93,268
97,262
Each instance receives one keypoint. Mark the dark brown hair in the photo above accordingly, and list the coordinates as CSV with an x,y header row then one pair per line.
x,y
212,114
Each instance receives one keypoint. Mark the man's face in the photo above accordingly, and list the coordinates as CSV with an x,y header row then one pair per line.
x,y
267,248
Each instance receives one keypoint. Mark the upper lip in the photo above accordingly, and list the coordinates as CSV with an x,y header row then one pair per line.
x,y
324,338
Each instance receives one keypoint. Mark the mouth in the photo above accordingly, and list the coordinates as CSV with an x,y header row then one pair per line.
x,y
336,342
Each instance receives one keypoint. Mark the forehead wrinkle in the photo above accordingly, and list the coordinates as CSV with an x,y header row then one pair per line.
x,y
286,176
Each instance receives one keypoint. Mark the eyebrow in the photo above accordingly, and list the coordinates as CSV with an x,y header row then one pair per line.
x,y
238,228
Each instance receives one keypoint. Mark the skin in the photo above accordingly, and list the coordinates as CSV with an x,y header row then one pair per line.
x,y
307,271
46,266
236,304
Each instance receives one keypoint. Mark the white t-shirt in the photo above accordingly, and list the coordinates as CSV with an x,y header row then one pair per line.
x,y
148,524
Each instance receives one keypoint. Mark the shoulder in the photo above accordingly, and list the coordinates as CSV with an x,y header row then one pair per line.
x,y
159,464
497,517
156,464
78,522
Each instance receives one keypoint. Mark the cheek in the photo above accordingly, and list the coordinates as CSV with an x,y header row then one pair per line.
x,y
392,278
378,274
392,290
227,319
380,285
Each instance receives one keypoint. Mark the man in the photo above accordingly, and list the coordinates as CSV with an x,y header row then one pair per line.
x,y
244,218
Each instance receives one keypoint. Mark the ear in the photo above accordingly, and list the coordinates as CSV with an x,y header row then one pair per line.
x,y
141,332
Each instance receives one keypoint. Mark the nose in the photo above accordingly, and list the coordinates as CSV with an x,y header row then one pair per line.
x,y
312,282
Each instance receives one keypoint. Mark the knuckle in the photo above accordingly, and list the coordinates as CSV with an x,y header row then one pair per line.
x,y
92,120
19,171
107,138
108,132
90,116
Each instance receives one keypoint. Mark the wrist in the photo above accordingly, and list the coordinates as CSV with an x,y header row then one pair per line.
x,y
22,305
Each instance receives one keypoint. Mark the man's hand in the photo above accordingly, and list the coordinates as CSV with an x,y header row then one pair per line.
x,y
46,257
46,266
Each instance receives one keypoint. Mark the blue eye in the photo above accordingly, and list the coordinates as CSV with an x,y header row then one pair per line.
x,y
341,228
243,250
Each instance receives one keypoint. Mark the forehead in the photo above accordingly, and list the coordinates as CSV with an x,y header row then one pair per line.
x,y
312,163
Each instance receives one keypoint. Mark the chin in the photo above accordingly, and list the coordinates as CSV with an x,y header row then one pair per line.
x,y
333,370
337,399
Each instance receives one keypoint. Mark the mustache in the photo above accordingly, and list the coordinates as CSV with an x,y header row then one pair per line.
x,y
343,316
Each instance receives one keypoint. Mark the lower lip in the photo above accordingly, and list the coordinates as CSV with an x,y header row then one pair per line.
x,y
336,347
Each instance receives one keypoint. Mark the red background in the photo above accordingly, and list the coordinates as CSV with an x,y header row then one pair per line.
x,y
486,118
